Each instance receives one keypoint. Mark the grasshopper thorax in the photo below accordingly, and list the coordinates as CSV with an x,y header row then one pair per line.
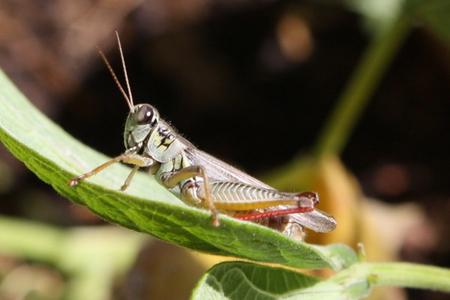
x,y
141,121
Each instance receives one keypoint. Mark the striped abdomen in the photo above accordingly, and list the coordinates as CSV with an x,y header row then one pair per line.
x,y
239,196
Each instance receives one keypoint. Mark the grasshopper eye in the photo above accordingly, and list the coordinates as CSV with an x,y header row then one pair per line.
x,y
145,115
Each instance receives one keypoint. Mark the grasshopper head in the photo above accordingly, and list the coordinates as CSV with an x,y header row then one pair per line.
x,y
142,119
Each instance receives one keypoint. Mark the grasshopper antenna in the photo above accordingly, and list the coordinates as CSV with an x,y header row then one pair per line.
x,y
129,97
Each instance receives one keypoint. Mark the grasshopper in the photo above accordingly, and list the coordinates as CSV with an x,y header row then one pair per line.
x,y
201,180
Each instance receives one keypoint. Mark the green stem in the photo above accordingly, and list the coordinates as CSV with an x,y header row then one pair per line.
x,y
358,279
411,276
365,79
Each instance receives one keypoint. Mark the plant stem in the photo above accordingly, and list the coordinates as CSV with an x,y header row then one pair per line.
x,y
411,276
359,278
362,84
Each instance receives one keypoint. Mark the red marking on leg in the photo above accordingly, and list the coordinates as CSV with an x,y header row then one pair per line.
x,y
274,213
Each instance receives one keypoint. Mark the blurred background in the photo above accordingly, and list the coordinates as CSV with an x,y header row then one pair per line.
x,y
253,83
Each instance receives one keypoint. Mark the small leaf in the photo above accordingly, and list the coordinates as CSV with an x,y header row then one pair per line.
x,y
56,157
239,280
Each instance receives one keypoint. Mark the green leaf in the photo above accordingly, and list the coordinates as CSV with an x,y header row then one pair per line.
x,y
56,157
239,280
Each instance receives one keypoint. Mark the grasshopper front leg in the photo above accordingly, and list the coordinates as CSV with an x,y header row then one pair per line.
x,y
137,160
190,189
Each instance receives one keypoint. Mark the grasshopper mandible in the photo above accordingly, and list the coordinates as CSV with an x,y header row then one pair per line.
x,y
201,180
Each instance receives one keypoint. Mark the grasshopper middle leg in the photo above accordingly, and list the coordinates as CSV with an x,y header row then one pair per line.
x,y
189,190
